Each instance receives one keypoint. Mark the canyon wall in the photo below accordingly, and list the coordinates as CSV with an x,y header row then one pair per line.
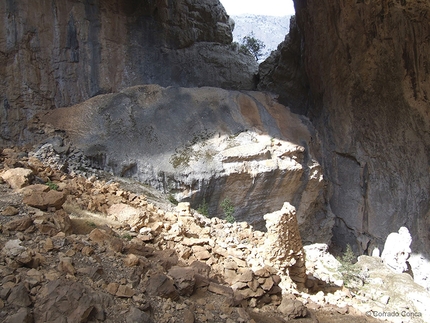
x,y
366,67
359,71
59,53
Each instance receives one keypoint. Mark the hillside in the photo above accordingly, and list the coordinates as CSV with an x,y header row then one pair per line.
x,y
271,30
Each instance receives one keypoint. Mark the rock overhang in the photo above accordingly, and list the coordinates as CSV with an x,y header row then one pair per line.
x,y
204,144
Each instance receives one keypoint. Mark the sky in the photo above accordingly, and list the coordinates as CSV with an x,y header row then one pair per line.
x,y
259,7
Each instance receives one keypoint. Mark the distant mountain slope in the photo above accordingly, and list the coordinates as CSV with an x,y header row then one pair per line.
x,y
271,30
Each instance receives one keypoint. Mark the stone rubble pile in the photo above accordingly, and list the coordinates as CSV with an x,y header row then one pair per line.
x,y
138,262
146,267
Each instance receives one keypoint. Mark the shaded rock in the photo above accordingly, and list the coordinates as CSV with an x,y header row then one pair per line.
x,y
9,211
345,88
292,308
166,258
19,296
135,315
67,301
21,224
161,285
23,315
18,177
184,279
124,291
43,200
185,43
220,289
188,316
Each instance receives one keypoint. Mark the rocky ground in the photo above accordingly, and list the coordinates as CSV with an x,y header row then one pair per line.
x,y
87,249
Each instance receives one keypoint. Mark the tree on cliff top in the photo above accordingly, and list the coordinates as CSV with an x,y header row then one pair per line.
x,y
253,46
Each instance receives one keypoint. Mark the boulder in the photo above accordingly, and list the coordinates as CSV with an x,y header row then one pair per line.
x,y
23,315
9,210
19,296
62,300
13,248
163,286
184,279
18,177
44,200
397,250
124,213
292,308
136,315
20,224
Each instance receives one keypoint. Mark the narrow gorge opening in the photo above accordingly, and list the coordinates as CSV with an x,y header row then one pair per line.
x,y
264,24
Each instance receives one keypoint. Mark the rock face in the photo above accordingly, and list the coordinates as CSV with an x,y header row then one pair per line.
x,y
59,53
212,145
365,64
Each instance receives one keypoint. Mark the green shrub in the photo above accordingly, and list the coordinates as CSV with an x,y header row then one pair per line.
x,y
52,185
350,272
127,236
228,209
203,208
91,224
172,199
230,219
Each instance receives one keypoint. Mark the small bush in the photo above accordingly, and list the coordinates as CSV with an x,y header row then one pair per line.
x,y
91,224
172,199
203,208
228,209
230,219
127,236
52,185
348,269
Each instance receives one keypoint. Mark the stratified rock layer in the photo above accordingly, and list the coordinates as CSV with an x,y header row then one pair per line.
x,y
59,53
206,145
366,66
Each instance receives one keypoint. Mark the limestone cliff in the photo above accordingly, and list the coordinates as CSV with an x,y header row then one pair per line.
x,y
205,145
366,65
59,53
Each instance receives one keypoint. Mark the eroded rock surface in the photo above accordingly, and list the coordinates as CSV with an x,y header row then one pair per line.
x,y
60,53
363,65
211,145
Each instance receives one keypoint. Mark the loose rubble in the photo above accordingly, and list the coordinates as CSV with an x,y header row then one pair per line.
x,y
96,252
